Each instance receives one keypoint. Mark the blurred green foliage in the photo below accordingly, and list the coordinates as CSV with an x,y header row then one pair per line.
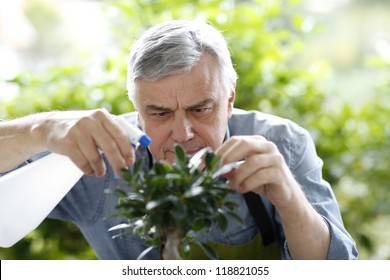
x,y
265,37
173,206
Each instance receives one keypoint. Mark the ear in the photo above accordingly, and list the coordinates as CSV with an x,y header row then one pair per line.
x,y
140,121
231,99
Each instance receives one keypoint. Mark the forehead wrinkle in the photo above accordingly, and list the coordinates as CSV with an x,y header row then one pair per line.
x,y
158,106
155,107
199,104
152,107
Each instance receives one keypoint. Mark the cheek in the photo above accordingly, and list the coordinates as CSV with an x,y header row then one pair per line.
x,y
213,135
159,136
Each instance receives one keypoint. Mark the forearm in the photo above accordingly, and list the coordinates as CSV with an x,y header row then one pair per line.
x,y
75,134
306,232
19,141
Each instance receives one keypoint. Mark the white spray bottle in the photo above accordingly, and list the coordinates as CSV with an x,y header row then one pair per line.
x,y
30,193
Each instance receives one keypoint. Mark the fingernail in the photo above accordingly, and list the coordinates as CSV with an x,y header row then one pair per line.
x,y
130,161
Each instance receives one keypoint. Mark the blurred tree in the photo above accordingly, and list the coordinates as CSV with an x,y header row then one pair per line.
x,y
265,38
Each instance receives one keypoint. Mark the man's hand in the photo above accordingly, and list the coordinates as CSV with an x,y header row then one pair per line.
x,y
80,134
264,170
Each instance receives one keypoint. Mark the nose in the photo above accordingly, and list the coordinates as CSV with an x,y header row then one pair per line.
x,y
182,129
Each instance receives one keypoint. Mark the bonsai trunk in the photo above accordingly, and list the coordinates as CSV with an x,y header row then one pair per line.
x,y
171,248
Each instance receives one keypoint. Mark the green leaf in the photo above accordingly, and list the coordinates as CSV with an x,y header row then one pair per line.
x,y
157,203
145,252
180,154
185,249
117,192
209,251
158,181
120,226
193,191
138,165
208,160
235,217
126,175
173,177
198,224
162,167
222,221
211,160
231,205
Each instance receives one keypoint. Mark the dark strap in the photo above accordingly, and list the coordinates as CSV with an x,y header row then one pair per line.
x,y
260,215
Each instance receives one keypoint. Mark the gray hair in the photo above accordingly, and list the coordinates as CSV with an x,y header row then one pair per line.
x,y
174,47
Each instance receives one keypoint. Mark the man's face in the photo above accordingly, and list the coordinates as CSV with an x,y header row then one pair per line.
x,y
190,109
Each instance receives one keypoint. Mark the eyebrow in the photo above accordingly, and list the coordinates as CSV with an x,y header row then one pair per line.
x,y
152,107
200,104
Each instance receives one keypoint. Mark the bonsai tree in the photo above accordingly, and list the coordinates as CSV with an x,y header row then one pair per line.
x,y
173,205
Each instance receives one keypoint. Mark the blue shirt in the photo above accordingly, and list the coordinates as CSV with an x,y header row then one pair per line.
x,y
91,207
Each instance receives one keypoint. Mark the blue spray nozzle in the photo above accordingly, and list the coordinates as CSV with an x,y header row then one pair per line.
x,y
145,140
135,134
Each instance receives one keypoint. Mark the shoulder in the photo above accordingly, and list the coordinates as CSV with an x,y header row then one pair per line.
x,y
292,140
272,127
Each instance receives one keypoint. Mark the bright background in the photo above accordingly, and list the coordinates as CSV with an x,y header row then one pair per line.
x,y
324,64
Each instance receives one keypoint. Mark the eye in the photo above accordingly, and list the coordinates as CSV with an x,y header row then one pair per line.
x,y
160,115
201,110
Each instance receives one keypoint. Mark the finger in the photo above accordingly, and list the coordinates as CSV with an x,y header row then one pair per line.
x,y
111,150
239,147
251,165
113,141
90,155
257,182
118,134
121,139
226,150
225,146
81,161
